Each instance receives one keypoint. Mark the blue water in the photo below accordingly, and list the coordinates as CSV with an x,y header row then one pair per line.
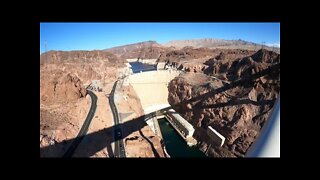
x,y
138,66
175,145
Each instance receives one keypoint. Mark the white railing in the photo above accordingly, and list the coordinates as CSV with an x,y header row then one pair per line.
x,y
268,142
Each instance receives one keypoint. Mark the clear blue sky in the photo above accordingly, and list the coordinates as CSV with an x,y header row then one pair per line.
x,y
89,36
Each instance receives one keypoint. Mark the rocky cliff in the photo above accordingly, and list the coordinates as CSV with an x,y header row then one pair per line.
x,y
61,88
186,54
238,113
202,59
64,75
80,57
231,68
152,52
64,105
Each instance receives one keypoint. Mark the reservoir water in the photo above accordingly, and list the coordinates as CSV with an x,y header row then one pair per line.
x,y
138,66
175,145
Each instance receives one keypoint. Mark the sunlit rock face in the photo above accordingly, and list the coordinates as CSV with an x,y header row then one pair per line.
x,y
238,113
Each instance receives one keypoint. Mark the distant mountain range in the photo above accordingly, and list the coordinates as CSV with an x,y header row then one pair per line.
x,y
208,42
152,49
219,44
196,43
120,50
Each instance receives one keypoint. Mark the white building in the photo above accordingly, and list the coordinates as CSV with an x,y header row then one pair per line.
x,y
182,125
215,136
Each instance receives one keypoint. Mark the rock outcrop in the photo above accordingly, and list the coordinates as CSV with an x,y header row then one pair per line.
x,y
192,67
238,113
64,76
59,124
63,88
231,69
151,52
202,59
66,81
186,54
80,56
266,56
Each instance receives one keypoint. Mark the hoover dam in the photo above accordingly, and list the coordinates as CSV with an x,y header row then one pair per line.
x,y
151,86
148,100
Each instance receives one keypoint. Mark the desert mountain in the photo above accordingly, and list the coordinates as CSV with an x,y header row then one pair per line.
x,y
121,50
218,43
79,56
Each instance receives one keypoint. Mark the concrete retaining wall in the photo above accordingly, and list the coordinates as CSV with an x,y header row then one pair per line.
x,y
132,60
161,65
145,61
152,88
181,124
148,61
215,136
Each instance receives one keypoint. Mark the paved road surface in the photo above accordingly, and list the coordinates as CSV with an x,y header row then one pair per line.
x,y
119,150
85,126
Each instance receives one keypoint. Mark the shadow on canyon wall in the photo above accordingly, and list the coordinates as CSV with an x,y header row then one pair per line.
x,y
102,138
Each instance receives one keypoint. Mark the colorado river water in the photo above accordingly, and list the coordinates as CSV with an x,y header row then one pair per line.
x,y
175,145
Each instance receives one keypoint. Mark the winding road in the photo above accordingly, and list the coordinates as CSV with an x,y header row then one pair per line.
x,y
119,150
85,126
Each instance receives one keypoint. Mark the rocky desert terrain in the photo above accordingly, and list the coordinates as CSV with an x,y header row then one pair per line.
x,y
64,103
237,113
139,139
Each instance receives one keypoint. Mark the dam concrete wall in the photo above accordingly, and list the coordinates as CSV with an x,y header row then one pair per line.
x,y
182,126
148,61
145,61
215,136
152,88
132,60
